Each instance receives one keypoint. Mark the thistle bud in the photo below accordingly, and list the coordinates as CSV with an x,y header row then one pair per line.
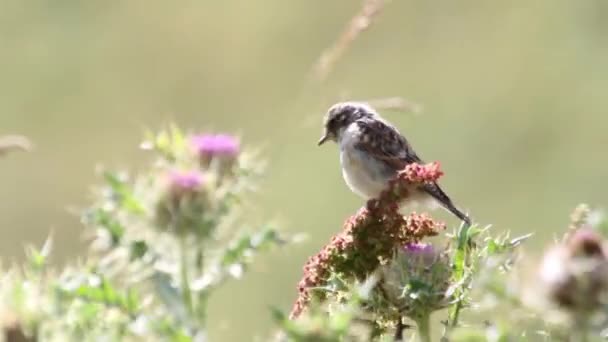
x,y
575,273
182,202
182,183
415,282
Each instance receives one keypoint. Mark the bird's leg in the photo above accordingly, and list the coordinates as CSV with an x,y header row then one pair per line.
x,y
399,330
372,204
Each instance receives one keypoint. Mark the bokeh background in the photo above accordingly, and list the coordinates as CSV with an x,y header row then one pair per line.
x,y
514,96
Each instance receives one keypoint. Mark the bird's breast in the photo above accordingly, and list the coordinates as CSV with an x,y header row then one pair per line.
x,y
362,174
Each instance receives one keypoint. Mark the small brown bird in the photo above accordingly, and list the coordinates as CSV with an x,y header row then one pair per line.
x,y
372,151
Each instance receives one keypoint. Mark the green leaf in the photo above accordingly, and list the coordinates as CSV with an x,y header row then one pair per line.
x,y
170,296
468,335
162,142
602,227
89,293
278,315
180,336
169,144
463,236
104,219
132,303
138,249
493,248
177,137
340,321
109,293
37,259
291,328
96,289
241,249
459,263
123,193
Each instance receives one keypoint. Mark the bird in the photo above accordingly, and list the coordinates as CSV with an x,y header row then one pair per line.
x,y
373,151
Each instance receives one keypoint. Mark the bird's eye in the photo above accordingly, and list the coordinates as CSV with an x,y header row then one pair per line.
x,y
333,123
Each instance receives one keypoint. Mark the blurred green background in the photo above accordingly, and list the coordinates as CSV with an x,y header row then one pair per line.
x,y
514,96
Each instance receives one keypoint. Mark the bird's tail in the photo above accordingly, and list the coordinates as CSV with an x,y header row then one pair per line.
x,y
435,191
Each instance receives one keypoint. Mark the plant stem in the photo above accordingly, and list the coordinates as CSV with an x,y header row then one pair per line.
x,y
455,314
424,328
201,304
581,329
185,280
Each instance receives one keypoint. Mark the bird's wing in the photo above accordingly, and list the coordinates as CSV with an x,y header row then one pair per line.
x,y
384,142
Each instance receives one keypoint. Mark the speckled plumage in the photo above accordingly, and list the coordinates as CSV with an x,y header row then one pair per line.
x,y
372,151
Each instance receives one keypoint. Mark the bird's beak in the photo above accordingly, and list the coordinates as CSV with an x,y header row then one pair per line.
x,y
323,139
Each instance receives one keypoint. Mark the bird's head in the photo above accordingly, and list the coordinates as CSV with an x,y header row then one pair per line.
x,y
340,116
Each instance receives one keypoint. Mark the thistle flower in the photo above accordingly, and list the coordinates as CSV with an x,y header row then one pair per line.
x,y
182,202
575,272
416,280
216,145
222,147
184,182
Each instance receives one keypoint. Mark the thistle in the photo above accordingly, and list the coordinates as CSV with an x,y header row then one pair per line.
x,y
182,202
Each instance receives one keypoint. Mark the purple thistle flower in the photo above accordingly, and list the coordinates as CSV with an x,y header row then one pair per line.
x,y
419,248
423,254
211,145
185,180
417,263
182,202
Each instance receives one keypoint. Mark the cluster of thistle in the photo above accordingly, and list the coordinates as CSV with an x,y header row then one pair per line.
x,y
194,191
413,277
162,241
574,272
37,303
174,229
416,282
562,297
348,321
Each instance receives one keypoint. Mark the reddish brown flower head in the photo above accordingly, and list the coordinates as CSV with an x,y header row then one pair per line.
x,y
417,173
369,239
398,189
